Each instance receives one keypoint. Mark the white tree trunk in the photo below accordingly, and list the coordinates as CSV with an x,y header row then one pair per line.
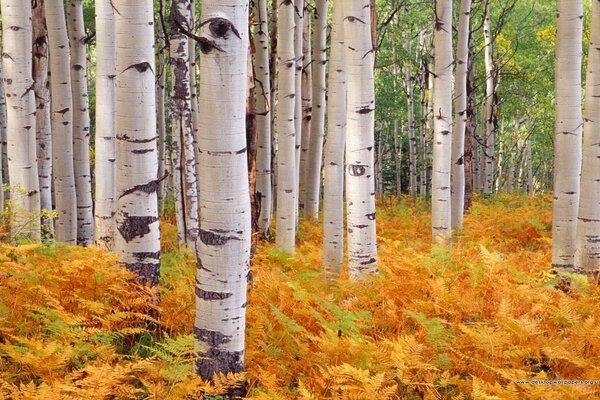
x,y
490,88
62,123
442,123
262,91
194,90
319,95
333,189
42,116
105,163
137,237
529,155
20,100
360,185
567,141
587,252
160,108
81,123
225,229
306,91
299,57
3,164
285,130
460,110
412,140
183,127
398,160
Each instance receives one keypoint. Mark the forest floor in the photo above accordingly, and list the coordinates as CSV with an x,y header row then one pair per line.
x,y
469,323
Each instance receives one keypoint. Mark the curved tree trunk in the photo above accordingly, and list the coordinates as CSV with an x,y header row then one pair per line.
x,y
183,127
333,189
105,163
442,123
587,252
360,185
225,230
137,237
262,92
285,130
319,95
460,110
62,123
42,116
81,123
20,101
567,141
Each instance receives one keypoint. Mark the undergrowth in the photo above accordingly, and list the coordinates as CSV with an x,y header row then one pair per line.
x,y
461,324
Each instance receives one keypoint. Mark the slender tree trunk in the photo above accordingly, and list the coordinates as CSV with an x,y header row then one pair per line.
x,y
194,94
470,156
299,57
252,140
442,123
183,128
20,100
160,108
398,160
460,109
42,116
587,251
306,111
287,188
105,163
490,84
333,190
529,156
319,96
379,162
62,123
262,92
412,140
224,245
424,81
360,193
567,142
137,237
81,123
3,158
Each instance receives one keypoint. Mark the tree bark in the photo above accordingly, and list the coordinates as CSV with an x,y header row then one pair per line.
x,y
442,123
333,190
299,8
304,166
20,101
62,123
568,130
412,140
3,158
224,241
160,108
490,94
137,237
360,190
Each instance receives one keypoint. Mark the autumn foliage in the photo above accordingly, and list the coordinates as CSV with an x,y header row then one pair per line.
x,y
459,324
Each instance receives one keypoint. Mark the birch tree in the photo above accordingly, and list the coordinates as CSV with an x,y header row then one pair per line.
x,y
42,115
81,123
62,123
306,92
333,173
360,121
442,123
3,168
490,93
105,162
225,226
587,252
568,129
460,110
137,237
285,129
20,101
319,94
262,91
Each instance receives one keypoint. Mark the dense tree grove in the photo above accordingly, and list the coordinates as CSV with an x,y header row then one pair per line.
x,y
248,122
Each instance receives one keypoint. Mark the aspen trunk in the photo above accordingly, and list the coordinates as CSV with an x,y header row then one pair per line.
x,y
194,93
490,93
3,158
262,92
81,123
20,101
105,163
285,129
299,8
160,108
398,160
319,95
470,155
442,123
137,237
529,156
183,128
224,241
42,116
360,190
587,251
62,123
333,190
304,167
567,142
460,109
412,140
424,82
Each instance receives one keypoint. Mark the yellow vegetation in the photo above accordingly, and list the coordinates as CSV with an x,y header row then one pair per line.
x,y
463,324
